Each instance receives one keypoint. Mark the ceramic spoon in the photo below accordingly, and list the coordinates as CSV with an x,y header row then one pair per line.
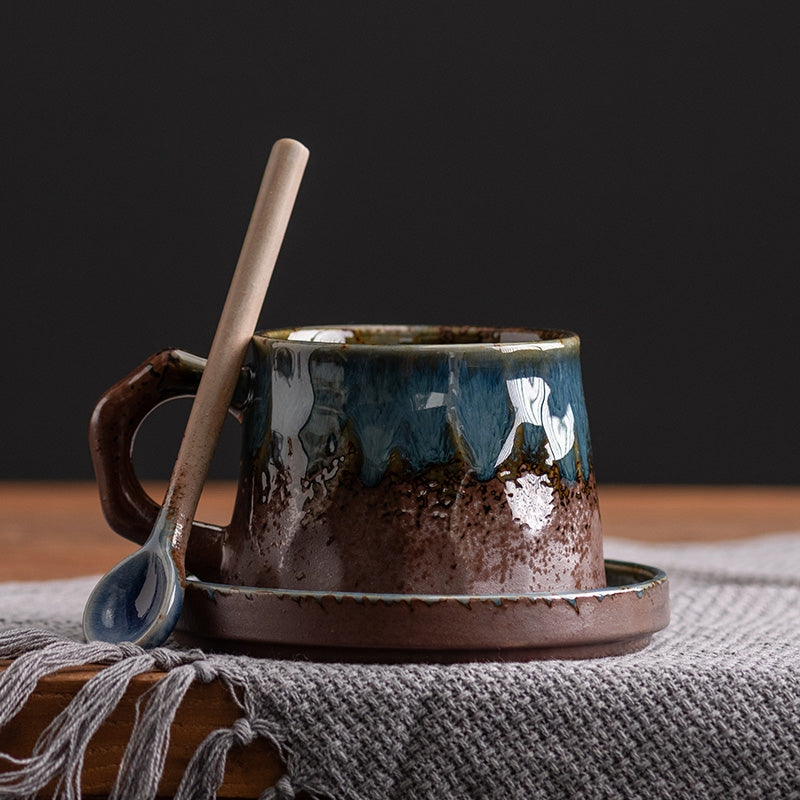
x,y
140,599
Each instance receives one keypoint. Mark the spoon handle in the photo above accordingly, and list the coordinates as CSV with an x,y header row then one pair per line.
x,y
239,317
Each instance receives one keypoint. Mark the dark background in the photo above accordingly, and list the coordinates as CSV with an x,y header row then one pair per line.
x,y
627,170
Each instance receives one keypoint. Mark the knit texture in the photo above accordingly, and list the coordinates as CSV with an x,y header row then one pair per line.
x,y
710,709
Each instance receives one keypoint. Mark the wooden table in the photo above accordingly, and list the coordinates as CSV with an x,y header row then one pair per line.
x,y
57,530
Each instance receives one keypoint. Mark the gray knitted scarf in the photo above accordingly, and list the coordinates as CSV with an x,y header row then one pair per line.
x,y
710,709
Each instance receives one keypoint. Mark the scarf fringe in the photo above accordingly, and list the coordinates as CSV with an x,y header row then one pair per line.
x,y
61,748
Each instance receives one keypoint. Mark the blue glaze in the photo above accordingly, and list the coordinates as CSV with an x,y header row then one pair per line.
x,y
563,375
376,405
484,416
417,405
139,600
425,435
573,601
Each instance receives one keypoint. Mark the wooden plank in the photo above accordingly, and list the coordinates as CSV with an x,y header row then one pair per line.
x,y
698,513
57,530
206,707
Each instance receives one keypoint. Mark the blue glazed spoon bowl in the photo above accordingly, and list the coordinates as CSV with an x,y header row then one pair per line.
x,y
141,599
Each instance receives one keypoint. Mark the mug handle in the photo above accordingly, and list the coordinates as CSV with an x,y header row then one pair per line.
x,y
127,507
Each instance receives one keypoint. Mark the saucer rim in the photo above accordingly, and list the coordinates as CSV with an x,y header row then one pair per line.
x,y
649,577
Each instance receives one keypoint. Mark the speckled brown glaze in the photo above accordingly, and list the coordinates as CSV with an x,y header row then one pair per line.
x,y
442,532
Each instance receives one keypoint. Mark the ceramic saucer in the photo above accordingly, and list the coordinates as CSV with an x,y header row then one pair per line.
x,y
351,627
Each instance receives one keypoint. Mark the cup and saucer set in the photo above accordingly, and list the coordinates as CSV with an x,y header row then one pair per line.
x,y
406,494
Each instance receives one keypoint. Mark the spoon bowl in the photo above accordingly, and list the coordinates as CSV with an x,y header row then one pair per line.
x,y
138,601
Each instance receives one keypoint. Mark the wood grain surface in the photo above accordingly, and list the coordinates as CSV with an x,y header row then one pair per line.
x,y
57,530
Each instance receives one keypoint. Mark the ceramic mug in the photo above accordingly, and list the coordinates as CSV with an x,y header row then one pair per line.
x,y
388,459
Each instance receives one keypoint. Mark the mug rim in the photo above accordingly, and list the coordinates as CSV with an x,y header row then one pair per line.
x,y
502,338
